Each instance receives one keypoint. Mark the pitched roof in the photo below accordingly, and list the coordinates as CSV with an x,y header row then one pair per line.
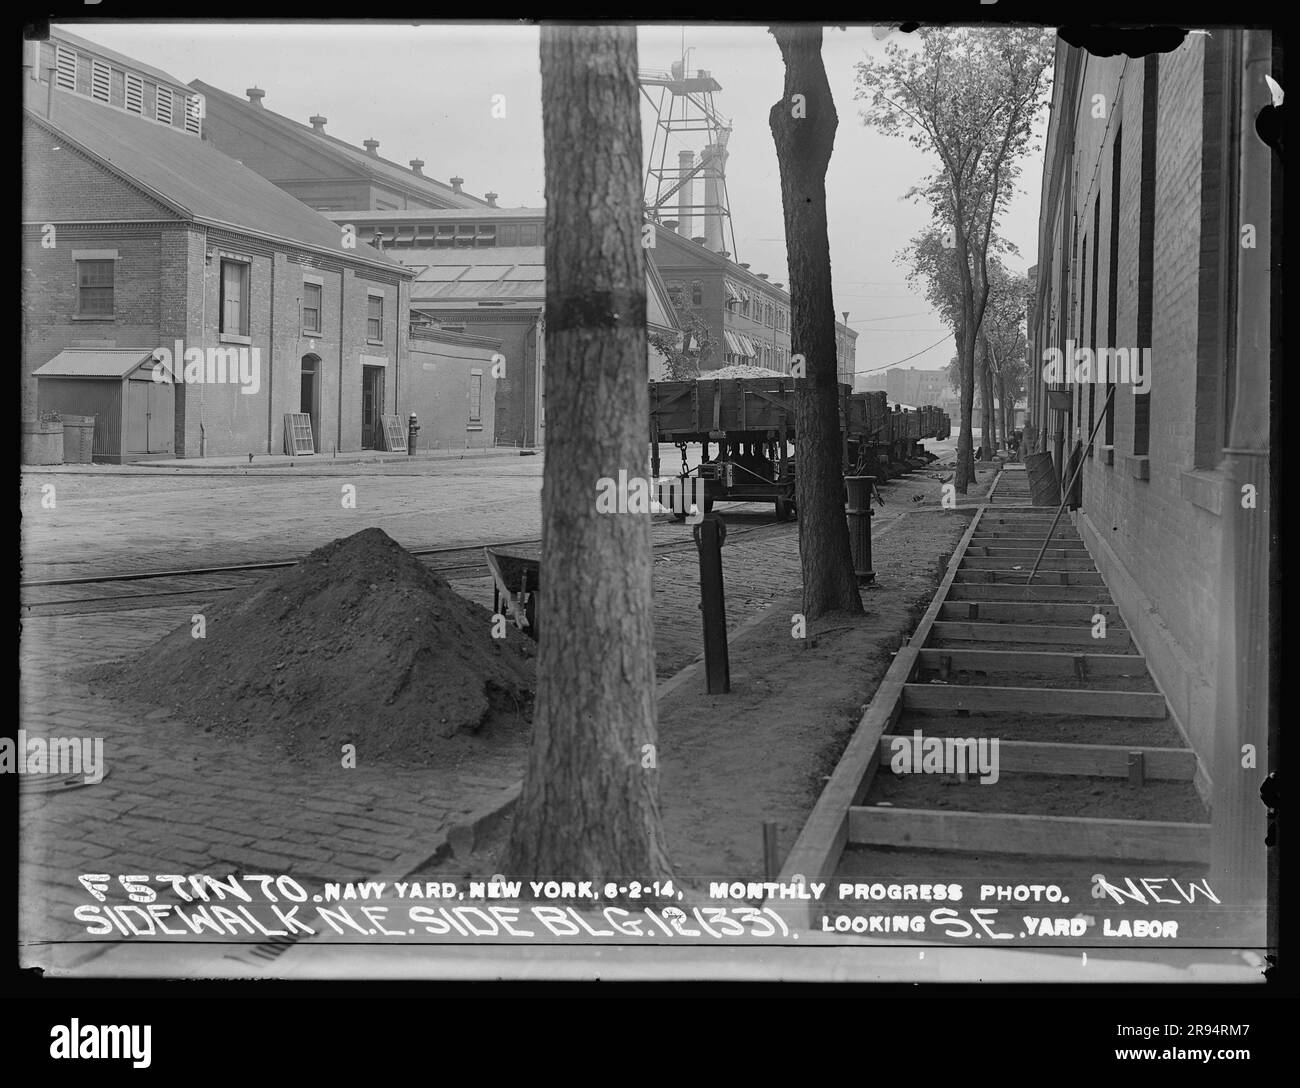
x,y
355,157
469,276
85,45
94,363
194,179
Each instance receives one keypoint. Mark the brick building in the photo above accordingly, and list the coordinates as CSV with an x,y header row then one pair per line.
x,y
138,234
747,316
1152,169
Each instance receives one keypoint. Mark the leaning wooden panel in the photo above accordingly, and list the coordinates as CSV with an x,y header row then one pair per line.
x,y
1046,836
1100,704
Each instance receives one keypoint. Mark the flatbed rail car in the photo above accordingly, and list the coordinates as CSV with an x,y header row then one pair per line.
x,y
750,421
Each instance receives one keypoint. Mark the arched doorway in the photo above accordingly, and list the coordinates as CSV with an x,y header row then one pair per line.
x,y
309,396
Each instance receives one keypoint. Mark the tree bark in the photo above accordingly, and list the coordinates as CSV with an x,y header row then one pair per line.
x,y
589,807
803,129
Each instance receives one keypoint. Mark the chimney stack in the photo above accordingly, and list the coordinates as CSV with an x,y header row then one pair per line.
x,y
318,123
372,147
713,174
491,198
418,166
686,194
456,183
255,96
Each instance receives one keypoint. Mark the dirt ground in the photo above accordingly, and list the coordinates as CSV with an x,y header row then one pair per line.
x,y
764,751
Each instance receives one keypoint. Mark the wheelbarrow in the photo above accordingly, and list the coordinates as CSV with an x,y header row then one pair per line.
x,y
516,571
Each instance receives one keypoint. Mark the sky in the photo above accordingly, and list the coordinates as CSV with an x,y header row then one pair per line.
x,y
428,92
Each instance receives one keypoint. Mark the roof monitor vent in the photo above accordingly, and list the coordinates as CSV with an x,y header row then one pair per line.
x,y
456,183
318,122
255,96
372,147
491,198
418,166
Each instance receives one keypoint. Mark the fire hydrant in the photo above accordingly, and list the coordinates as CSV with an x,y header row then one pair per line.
x,y
412,430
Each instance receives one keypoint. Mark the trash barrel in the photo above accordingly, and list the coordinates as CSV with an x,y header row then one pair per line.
x,y
78,439
42,442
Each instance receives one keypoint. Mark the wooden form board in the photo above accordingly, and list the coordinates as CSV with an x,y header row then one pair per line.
x,y
394,433
817,851
1116,640
1040,661
1053,836
1085,760
1045,592
983,698
1015,563
1029,611
298,439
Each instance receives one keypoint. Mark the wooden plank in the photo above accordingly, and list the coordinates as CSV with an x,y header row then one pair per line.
x,y
1029,611
1084,760
1088,701
816,852
993,550
1012,562
1043,662
1047,590
1047,836
1013,539
1116,640
1014,576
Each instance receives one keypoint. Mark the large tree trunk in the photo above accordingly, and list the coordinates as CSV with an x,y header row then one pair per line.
x,y
988,427
803,129
589,806
965,474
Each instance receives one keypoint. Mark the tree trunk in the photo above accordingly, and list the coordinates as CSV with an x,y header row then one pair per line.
x,y
988,425
803,129
589,806
965,474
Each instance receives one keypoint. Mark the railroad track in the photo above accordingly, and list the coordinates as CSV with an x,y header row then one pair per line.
x,y
114,592
1087,744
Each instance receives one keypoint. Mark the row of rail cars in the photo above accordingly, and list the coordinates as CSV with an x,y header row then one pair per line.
x,y
746,427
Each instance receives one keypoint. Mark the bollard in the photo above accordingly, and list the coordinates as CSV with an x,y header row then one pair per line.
x,y
710,533
860,514
412,430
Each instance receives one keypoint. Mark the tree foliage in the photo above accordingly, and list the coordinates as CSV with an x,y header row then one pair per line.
x,y
969,97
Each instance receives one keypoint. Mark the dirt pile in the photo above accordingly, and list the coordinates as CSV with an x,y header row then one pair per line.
x,y
359,643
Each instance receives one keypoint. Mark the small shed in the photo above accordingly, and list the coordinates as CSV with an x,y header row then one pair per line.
x,y
134,414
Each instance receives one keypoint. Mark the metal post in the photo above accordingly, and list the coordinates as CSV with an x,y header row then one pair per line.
x,y
859,515
710,533
412,430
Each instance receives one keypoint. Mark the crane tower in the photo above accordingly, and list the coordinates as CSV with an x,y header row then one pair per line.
x,y
693,190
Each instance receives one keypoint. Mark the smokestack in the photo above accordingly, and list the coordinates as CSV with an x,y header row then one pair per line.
x,y
372,147
318,123
686,194
717,163
255,96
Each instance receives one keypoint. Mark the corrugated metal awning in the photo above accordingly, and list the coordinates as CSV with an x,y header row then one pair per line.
x,y
94,363
747,346
733,344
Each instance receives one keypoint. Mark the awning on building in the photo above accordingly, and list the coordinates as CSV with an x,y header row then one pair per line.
x,y
735,293
93,363
747,346
733,344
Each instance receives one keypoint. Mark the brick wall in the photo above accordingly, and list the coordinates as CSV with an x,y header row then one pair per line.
x,y
1158,539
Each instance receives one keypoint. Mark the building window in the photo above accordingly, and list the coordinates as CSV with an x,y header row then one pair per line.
x,y
375,319
528,234
476,397
163,106
100,80
508,234
677,296
134,93
234,297
95,288
311,293
1146,245
65,77
1112,294
697,293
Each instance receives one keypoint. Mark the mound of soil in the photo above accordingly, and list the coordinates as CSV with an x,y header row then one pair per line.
x,y
359,643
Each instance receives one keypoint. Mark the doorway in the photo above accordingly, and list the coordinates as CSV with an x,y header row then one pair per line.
x,y
372,406
149,417
309,395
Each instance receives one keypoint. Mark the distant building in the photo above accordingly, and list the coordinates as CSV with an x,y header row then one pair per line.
x,y
747,316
